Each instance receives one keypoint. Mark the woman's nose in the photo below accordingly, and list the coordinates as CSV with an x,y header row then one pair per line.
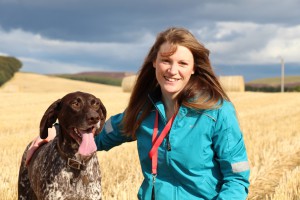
x,y
173,68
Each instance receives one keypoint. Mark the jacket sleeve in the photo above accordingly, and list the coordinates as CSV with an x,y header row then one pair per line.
x,y
111,136
231,154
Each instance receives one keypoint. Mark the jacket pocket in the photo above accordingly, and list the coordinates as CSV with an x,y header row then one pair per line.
x,y
211,187
144,192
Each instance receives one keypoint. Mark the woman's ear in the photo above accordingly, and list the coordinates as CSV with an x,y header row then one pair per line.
x,y
154,64
194,69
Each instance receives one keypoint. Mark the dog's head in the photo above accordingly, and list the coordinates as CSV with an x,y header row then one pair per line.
x,y
77,113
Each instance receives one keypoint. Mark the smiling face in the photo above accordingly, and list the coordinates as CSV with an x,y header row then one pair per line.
x,y
173,69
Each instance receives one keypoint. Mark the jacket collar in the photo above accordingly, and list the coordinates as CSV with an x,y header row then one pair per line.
x,y
155,95
156,100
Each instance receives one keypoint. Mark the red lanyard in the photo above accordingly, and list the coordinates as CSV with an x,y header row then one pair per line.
x,y
156,141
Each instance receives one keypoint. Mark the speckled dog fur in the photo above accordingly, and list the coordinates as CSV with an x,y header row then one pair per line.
x,y
48,176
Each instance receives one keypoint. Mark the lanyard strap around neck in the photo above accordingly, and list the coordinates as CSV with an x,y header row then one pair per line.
x,y
156,141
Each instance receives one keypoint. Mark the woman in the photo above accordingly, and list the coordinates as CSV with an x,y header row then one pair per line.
x,y
189,142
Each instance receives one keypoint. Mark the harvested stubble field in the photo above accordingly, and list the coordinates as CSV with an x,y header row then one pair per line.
x,y
270,123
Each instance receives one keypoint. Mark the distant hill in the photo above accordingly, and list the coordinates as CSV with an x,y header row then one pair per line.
x,y
106,74
291,83
8,67
108,78
35,83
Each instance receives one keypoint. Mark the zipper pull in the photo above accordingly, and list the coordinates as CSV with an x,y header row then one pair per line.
x,y
153,190
168,144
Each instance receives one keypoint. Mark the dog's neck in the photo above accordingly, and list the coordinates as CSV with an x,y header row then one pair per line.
x,y
68,148
67,144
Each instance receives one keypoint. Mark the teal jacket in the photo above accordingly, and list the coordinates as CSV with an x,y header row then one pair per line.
x,y
203,157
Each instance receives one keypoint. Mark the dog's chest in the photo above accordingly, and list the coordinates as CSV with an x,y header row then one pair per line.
x,y
59,181
68,185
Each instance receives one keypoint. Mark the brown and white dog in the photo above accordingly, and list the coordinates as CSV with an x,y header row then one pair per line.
x,y
66,167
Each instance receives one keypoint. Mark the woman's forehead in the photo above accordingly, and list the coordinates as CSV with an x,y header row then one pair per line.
x,y
167,49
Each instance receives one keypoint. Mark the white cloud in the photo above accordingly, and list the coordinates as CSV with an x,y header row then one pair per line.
x,y
250,43
23,42
46,55
285,43
3,54
53,67
230,43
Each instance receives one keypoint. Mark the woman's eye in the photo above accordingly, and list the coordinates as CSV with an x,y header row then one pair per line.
x,y
183,64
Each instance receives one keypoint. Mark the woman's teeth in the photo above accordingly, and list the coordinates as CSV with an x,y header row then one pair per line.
x,y
171,79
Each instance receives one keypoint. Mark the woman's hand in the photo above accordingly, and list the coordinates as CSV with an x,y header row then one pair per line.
x,y
37,142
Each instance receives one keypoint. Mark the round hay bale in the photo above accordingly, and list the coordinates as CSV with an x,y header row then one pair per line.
x,y
128,83
232,83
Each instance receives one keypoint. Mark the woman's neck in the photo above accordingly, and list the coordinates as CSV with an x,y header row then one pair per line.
x,y
170,105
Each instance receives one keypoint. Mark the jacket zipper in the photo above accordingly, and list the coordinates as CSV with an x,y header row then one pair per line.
x,y
153,189
168,143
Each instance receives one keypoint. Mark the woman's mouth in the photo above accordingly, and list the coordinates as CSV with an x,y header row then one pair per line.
x,y
171,79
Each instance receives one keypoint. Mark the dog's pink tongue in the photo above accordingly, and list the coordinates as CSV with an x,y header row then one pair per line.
x,y
87,146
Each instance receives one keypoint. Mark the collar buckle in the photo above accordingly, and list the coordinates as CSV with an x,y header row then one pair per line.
x,y
75,164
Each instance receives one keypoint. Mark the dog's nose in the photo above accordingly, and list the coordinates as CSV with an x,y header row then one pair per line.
x,y
93,118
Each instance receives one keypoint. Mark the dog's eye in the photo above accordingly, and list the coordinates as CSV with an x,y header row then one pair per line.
x,y
75,104
95,104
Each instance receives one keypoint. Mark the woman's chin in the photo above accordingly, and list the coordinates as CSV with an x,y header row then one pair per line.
x,y
170,92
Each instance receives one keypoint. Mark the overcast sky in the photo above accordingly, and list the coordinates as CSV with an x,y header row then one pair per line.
x,y
245,37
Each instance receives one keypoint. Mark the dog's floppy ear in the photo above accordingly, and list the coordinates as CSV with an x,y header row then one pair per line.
x,y
103,110
49,118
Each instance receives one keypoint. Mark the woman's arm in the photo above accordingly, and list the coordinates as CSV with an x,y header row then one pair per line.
x,y
231,154
109,137
111,134
37,142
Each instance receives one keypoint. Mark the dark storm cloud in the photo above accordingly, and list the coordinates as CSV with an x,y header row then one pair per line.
x,y
90,20
114,20
65,36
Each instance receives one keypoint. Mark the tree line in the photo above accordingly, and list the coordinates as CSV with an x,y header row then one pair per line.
x,y
8,67
266,88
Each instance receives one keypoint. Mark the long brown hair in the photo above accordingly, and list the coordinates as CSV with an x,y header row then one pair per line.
x,y
203,91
